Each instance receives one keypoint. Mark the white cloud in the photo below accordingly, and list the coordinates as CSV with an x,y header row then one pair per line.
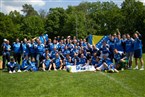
x,y
10,5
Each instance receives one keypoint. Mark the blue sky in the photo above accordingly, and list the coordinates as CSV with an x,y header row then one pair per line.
x,y
10,5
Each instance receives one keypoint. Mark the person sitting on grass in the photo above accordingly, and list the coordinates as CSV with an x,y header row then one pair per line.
x,y
106,65
120,60
46,64
67,61
26,66
57,62
12,66
82,60
33,65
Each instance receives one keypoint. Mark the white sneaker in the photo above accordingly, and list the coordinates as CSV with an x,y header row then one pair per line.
x,y
55,69
25,70
14,71
19,71
136,68
122,69
142,68
10,72
43,69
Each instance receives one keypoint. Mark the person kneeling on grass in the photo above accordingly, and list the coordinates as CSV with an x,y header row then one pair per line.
x,y
57,62
120,60
12,65
106,65
46,64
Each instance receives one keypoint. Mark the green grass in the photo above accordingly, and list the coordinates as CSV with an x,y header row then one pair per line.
x,y
129,83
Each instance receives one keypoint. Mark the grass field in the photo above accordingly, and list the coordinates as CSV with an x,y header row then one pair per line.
x,y
128,83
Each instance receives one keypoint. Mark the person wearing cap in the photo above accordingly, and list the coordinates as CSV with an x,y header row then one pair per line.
x,y
6,52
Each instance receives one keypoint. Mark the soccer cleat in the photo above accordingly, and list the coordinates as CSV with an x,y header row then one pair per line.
x,y
142,68
10,72
136,68
14,71
19,71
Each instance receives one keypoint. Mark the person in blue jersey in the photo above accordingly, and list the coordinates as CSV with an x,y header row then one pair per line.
x,y
104,50
6,53
138,51
33,65
111,43
47,53
75,59
67,61
57,62
106,65
53,52
32,50
26,66
12,65
129,50
74,50
66,51
82,60
42,39
46,64
93,59
39,53
120,60
17,51
25,49
50,45
119,44
61,46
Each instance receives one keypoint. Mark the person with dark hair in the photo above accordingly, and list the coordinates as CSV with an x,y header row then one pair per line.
x,y
138,51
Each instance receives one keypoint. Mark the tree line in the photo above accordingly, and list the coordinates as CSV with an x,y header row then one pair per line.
x,y
97,18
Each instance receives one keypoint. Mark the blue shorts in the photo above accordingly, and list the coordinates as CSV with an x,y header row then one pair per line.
x,y
138,53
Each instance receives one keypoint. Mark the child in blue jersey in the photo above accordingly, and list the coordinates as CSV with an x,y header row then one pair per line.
x,y
39,52
33,64
17,51
6,53
75,59
46,64
25,49
67,61
119,44
129,50
26,66
104,50
106,65
138,51
57,62
82,60
32,49
12,65
120,60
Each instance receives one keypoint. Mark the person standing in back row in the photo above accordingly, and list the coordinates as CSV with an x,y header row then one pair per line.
x,y
138,50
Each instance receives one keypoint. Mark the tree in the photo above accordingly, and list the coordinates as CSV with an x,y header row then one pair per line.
x,y
28,10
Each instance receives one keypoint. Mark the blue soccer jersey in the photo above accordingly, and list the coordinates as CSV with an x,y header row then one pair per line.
x,y
137,44
17,47
129,45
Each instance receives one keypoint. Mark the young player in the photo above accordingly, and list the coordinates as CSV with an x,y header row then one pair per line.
x,y
6,53
17,51
138,51
26,66
120,60
12,65
46,64
57,62
129,50
33,64
106,65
